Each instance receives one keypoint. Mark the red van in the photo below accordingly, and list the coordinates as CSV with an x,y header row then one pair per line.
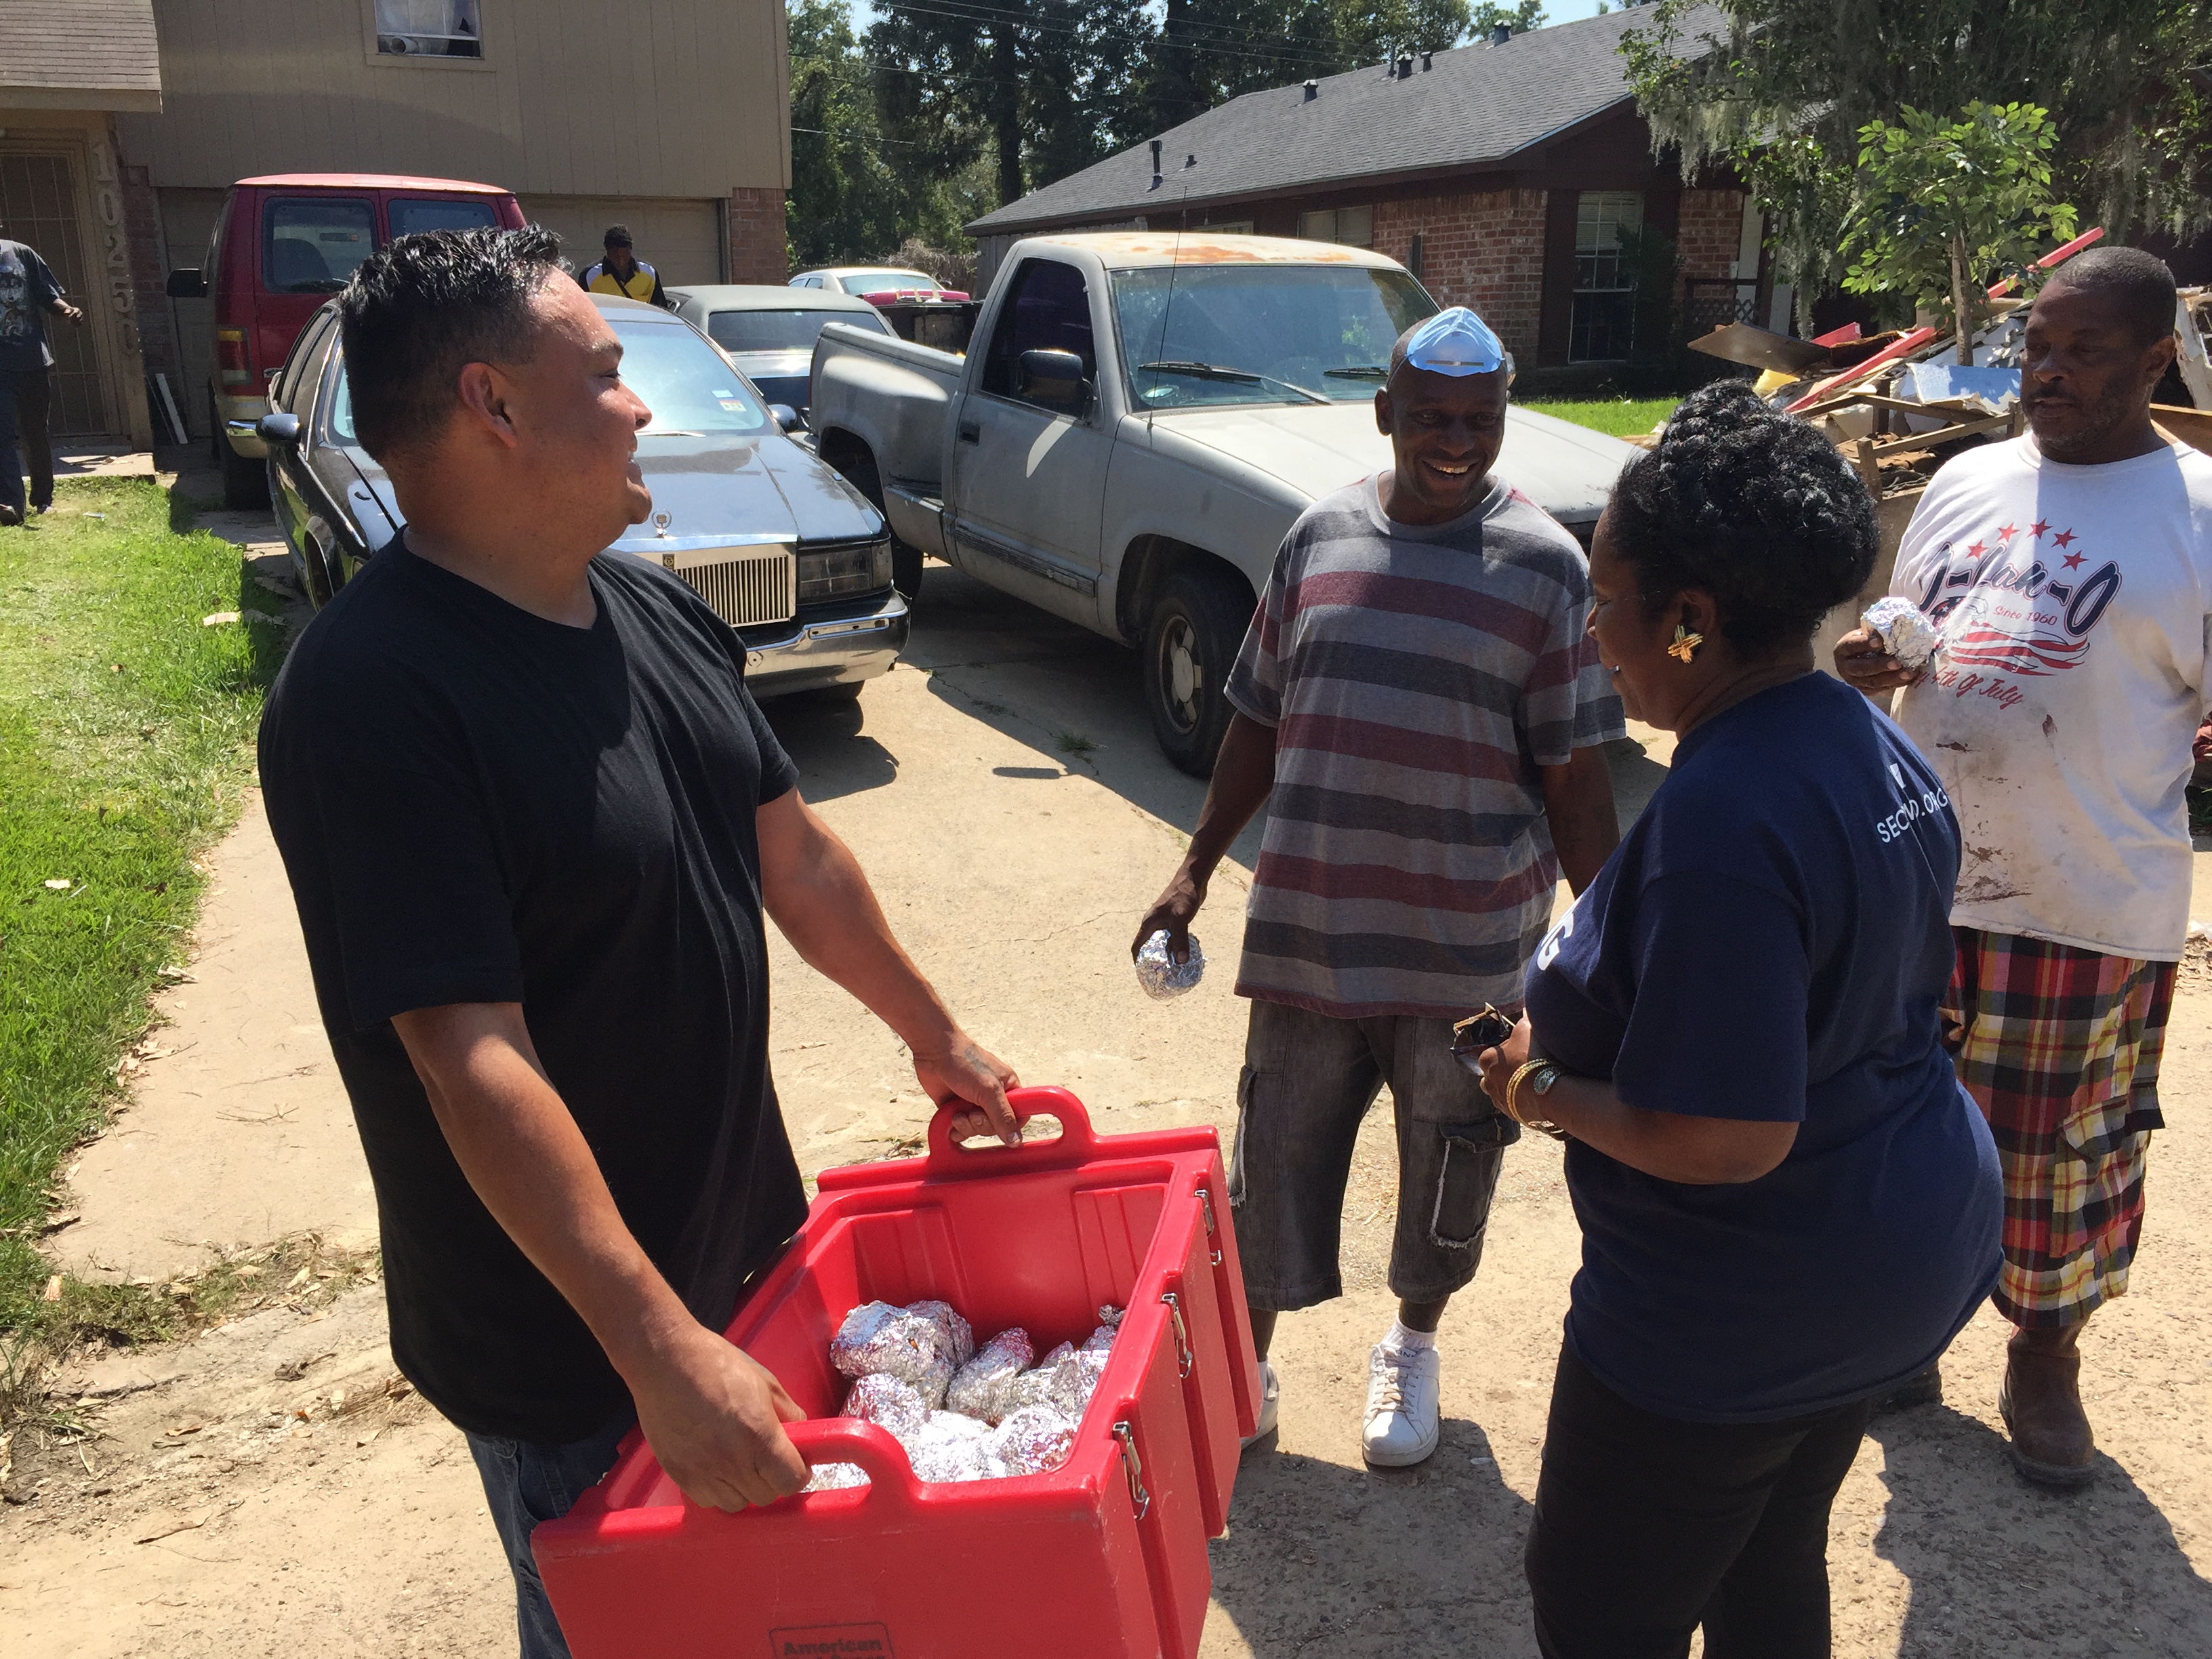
x,y
282,245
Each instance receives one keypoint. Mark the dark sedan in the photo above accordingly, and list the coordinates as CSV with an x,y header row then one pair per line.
x,y
789,554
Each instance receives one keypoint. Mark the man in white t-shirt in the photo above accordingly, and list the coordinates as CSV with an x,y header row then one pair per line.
x,y
2069,572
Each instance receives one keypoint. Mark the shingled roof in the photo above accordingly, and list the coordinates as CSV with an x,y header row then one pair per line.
x,y
1478,106
79,54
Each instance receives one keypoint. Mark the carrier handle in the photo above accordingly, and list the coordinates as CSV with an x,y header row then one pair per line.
x,y
1075,1145
848,1440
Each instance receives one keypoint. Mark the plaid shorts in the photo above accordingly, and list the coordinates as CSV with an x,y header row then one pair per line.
x,y
2060,1048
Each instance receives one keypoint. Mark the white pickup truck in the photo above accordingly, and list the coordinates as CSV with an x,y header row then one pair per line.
x,y
1139,419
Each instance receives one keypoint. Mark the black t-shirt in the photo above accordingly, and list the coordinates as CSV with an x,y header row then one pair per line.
x,y
477,805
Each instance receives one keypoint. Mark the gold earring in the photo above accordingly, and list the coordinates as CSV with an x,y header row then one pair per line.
x,y
1686,643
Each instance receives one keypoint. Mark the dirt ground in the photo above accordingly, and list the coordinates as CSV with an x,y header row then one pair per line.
x,y
271,1490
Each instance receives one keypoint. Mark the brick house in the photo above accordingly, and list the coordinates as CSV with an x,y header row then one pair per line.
x,y
1502,174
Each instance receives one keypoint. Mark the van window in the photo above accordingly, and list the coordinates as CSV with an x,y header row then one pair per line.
x,y
410,214
311,244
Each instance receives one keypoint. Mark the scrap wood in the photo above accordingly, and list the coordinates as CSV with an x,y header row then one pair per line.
x,y
2192,427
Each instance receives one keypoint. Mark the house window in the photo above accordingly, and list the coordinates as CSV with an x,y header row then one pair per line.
x,y
1604,319
1354,226
428,29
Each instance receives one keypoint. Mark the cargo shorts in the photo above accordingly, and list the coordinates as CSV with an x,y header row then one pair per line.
x,y
1308,1080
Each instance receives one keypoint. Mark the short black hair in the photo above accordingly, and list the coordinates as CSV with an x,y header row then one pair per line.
x,y
1754,506
617,236
2141,285
421,305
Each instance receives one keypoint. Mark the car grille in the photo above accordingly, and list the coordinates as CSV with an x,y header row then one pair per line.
x,y
746,586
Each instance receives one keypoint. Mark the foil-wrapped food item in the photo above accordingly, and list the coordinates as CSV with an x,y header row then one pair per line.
x,y
1904,631
959,1338
836,1476
918,1348
980,1387
953,1448
889,1401
1160,975
1034,1440
1036,1387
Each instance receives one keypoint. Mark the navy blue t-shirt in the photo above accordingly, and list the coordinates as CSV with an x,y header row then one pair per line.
x,y
1769,944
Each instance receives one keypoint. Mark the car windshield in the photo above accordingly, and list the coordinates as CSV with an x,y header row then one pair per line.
x,y
886,282
780,330
686,385
410,214
683,380
1261,333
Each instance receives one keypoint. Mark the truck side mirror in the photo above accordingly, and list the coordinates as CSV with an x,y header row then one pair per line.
x,y
1054,377
187,284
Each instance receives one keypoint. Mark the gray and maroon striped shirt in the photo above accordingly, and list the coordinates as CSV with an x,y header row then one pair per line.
x,y
1416,677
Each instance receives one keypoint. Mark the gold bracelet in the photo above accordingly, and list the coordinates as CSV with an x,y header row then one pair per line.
x,y
1513,1087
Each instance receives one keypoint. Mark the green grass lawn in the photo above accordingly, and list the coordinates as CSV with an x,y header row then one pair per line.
x,y
1624,417
126,734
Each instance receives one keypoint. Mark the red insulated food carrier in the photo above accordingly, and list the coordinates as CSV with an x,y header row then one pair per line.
x,y
1103,1558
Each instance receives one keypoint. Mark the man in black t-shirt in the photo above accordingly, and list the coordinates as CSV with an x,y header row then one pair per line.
x,y
532,820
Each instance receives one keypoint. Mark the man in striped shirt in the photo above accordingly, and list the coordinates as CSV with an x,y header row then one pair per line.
x,y
1419,707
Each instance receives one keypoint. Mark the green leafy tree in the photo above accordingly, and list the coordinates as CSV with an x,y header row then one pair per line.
x,y
1782,88
846,198
1943,204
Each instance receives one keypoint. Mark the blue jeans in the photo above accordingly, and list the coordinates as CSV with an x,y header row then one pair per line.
x,y
526,1484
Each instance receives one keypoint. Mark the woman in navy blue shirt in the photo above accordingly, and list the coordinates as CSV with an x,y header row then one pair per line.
x,y
1788,1205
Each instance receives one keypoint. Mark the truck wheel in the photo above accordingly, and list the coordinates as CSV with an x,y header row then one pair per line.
x,y
244,480
1191,643
858,464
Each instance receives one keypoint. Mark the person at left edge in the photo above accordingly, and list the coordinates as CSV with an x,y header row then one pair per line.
x,y
532,819
28,290
620,271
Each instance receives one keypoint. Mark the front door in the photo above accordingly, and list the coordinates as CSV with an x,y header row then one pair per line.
x,y
39,208
1029,479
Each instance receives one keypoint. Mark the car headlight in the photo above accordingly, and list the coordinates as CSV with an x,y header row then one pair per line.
x,y
831,572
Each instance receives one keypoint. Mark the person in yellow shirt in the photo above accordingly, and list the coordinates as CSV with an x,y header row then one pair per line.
x,y
622,272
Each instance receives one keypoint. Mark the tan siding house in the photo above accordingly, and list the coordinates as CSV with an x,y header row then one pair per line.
x,y
669,116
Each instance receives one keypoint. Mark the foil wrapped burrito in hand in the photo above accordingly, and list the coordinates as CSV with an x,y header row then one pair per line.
x,y
1160,975
1905,632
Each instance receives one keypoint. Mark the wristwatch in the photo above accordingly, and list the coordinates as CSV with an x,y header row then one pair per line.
x,y
1538,1075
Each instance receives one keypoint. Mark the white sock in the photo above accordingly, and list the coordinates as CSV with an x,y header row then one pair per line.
x,y
1406,1341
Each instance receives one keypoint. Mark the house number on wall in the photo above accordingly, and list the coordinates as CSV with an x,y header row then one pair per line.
x,y
107,203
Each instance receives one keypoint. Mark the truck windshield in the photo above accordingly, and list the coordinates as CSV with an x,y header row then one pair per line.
x,y
1261,333
683,380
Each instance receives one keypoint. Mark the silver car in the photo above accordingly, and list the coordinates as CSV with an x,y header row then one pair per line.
x,y
769,332
788,553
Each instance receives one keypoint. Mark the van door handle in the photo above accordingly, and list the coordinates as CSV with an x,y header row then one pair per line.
x,y
971,432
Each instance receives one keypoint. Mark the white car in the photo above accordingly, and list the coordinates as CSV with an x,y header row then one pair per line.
x,y
881,283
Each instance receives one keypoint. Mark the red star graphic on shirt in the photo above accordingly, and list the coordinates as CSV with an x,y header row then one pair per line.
x,y
2072,561
2040,526
2064,537
2006,534
1975,551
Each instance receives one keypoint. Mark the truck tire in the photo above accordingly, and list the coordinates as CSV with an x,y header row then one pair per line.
x,y
858,464
1191,640
244,480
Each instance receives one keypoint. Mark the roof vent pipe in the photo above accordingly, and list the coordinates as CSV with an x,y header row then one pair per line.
x,y
1426,63
1156,160
1405,65
1191,161
1501,34
1313,90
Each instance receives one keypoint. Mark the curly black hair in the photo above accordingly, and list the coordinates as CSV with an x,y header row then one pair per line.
x,y
1754,506
421,305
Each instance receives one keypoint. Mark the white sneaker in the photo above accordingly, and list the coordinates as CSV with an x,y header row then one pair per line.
x,y
1403,1393
1271,1402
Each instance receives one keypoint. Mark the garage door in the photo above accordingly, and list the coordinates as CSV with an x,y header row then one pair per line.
x,y
683,240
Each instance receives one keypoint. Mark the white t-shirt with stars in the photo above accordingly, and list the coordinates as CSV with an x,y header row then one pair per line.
x,y
2075,604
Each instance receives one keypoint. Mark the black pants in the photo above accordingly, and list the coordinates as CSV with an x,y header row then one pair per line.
x,y
1647,1527
25,396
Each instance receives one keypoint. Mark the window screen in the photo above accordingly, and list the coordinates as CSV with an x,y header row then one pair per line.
x,y
1602,324
410,214
1354,226
428,29
311,244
